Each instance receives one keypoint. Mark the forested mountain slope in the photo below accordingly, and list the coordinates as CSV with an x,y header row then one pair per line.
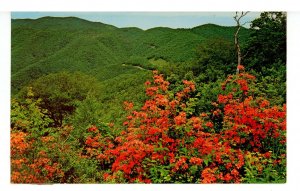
x,y
50,44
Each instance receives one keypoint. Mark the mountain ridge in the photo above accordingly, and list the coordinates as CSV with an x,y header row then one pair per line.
x,y
51,44
88,21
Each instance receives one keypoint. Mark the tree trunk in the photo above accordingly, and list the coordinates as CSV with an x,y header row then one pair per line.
x,y
237,18
238,49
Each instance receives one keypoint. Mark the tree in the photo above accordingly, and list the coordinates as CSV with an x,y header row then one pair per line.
x,y
267,44
237,19
60,92
215,59
266,54
27,116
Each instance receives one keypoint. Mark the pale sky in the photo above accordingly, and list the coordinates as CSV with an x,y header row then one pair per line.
x,y
146,20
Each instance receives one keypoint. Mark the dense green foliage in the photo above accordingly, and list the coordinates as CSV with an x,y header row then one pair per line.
x,y
49,45
60,93
216,59
119,58
267,44
80,114
266,54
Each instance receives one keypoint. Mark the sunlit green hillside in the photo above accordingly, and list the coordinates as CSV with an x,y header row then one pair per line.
x,y
121,59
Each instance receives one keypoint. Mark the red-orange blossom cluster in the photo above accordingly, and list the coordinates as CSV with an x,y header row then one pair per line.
x,y
158,134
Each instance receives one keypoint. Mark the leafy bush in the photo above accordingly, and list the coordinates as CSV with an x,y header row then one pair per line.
x,y
27,116
59,93
163,143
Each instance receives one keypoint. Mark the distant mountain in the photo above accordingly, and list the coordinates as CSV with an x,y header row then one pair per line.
x,y
52,44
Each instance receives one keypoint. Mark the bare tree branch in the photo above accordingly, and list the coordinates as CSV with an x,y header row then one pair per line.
x,y
237,19
245,55
246,23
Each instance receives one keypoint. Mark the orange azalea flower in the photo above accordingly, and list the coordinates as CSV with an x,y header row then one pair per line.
x,y
241,67
208,175
209,124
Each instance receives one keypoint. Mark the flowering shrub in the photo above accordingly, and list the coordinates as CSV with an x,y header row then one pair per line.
x,y
242,139
251,123
30,167
162,143
30,162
